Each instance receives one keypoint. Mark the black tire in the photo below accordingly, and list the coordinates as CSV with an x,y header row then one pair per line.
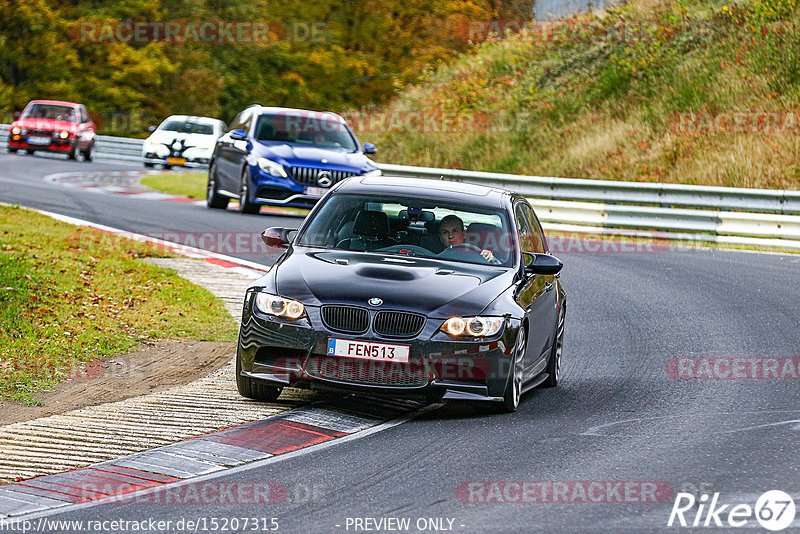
x,y
73,153
553,369
213,199
513,391
254,389
12,150
245,206
149,165
166,167
88,154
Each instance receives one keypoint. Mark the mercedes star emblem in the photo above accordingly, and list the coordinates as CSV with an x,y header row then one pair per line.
x,y
324,178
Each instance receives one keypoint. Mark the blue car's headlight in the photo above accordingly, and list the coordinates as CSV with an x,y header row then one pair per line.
x,y
273,168
279,306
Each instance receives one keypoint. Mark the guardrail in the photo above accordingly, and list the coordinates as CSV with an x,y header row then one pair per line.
x,y
762,217
732,216
665,195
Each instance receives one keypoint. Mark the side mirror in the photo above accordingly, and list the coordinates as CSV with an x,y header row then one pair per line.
x,y
151,129
277,237
239,135
542,264
369,148
16,115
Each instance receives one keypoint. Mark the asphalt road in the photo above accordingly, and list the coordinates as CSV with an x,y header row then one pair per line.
x,y
617,416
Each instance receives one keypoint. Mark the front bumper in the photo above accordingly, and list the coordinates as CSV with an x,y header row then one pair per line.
x,y
284,353
192,157
269,190
56,144
153,159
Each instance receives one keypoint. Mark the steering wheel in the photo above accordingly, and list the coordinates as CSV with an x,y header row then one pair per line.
x,y
468,247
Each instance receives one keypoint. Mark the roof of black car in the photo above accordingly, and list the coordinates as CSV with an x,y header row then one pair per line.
x,y
425,188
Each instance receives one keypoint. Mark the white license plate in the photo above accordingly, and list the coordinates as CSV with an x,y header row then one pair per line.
x,y
365,350
316,191
36,140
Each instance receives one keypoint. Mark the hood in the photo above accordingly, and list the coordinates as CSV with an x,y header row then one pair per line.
x,y
310,156
44,124
193,140
434,288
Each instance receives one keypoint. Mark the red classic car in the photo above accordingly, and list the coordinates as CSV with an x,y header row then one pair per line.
x,y
53,126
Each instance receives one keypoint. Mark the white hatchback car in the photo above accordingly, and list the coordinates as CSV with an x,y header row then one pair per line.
x,y
182,140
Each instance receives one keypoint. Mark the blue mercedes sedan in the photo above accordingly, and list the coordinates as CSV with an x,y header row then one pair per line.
x,y
284,156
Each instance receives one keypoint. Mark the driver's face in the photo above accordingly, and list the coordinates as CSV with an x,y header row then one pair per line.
x,y
452,233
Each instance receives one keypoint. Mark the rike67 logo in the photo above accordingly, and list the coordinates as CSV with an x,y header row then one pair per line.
x,y
774,510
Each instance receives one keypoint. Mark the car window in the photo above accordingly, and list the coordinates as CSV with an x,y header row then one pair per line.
x,y
315,129
236,123
84,115
537,234
50,111
188,127
247,121
412,227
527,237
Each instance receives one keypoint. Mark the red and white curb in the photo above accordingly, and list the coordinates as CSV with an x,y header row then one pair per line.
x,y
138,477
119,183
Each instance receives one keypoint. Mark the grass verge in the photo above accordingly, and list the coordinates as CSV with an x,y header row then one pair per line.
x,y
704,92
71,295
185,184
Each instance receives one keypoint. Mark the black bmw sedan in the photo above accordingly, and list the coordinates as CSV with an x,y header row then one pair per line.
x,y
407,287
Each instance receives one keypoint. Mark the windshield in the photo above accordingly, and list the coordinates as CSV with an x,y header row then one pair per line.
x,y
311,128
50,111
412,227
188,127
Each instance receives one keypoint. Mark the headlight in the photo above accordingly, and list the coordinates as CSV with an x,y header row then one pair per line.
x,y
279,306
473,326
15,130
376,172
271,167
64,134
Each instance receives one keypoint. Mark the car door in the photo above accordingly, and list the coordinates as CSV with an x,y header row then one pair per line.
x,y
535,294
550,298
85,128
229,154
220,153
